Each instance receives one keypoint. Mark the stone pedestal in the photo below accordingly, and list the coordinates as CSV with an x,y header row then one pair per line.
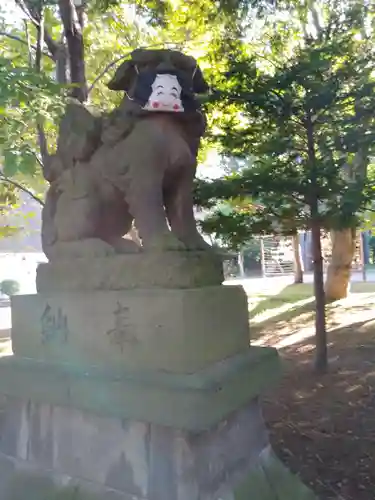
x,y
49,451
180,330
137,393
169,270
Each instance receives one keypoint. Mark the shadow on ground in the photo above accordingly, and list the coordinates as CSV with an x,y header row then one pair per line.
x,y
292,295
323,427
292,310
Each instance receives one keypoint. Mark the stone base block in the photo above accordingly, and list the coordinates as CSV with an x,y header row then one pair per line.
x,y
54,453
193,402
171,330
141,270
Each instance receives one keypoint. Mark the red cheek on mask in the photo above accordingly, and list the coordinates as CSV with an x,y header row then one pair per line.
x,y
176,107
155,104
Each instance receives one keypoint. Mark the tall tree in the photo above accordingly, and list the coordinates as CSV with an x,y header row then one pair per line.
x,y
75,43
44,60
308,120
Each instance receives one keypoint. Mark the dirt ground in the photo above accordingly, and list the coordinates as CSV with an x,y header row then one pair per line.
x,y
323,427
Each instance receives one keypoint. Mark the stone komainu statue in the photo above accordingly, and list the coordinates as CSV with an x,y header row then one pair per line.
x,y
134,165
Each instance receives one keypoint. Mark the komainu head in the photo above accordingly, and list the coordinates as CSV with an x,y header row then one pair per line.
x,y
161,81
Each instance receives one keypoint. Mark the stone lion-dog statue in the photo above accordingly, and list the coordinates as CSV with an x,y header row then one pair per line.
x,y
133,166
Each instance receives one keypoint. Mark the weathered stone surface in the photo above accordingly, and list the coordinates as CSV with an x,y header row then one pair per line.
x,y
80,131
54,451
108,451
142,270
286,484
133,165
20,480
194,402
133,457
271,480
171,330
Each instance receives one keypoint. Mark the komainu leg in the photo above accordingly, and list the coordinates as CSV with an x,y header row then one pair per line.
x,y
89,248
125,245
75,225
145,200
179,206
115,222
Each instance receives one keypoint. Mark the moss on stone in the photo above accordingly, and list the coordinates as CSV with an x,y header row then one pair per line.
x,y
271,480
287,485
256,482
31,487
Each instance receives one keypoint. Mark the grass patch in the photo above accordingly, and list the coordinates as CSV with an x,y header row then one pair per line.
x,y
293,307
291,296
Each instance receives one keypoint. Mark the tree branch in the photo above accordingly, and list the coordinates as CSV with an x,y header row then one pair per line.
x,y
26,11
43,146
61,64
106,69
39,161
52,46
28,43
14,37
24,42
40,40
28,8
4,178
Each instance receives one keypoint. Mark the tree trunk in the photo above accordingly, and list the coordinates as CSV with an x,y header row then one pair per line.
x,y
61,64
339,269
72,22
363,252
241,265
33,10
321,360
297,260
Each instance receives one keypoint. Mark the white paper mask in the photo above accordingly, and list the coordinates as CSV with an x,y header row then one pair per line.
x,y
165,95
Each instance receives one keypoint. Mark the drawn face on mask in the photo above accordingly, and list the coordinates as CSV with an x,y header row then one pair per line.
x,y
165,95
